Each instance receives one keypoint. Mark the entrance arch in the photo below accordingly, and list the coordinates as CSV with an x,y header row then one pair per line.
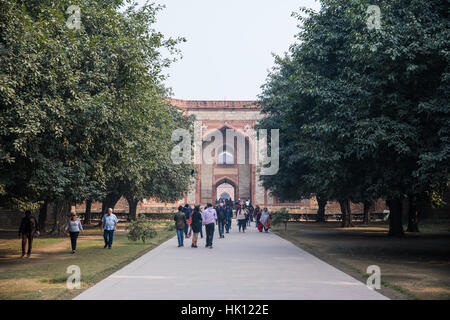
x,y
225,188
228,159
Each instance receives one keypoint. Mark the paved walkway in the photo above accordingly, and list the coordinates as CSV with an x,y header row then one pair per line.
x,y
250,266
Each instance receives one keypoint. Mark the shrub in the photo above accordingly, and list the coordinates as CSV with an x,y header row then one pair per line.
x,y
281,216
141,229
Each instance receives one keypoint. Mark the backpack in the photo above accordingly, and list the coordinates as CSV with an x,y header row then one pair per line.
x,y
221,214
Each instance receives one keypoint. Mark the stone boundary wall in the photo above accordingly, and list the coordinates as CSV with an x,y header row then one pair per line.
x,y
12,219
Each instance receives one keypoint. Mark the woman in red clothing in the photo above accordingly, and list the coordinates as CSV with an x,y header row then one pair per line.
x,y
259,225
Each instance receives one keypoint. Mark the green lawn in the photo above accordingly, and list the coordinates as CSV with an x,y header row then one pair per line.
x,y
43,276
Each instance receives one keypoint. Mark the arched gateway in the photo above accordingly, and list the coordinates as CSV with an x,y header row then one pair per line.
x,y
228,174
240,179
224,116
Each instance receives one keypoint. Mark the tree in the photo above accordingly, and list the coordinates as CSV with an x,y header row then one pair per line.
x,y
366,108
75,102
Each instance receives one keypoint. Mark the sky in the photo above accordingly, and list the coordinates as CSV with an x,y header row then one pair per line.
x,y
229,45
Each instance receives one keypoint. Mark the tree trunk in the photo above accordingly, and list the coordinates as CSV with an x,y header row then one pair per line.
x,y
110,201
423,206
43,216
87,213
367,206
322,202
346,213
395,216
132,209
62,212
413,214
349,213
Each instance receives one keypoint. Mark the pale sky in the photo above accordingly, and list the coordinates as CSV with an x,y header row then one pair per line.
x,y
229,44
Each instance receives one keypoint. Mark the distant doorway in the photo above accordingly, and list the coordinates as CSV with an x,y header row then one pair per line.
x,y
225,191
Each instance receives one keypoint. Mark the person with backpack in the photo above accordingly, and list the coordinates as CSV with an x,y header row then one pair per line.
x,y
180,223
228,217
241,215
29,227
221,219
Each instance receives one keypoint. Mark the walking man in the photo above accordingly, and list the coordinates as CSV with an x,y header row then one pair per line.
x,y
180,223
228,217
209,217
221,219
109,225
28,227
250,214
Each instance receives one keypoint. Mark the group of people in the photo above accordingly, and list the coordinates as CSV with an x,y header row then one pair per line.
x,y
189,222
29,229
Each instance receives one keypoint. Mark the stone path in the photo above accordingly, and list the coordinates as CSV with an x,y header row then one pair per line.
x,y
250,266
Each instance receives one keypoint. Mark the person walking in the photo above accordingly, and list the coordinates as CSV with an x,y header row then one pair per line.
x,y
74,227
265,219
196,225
180,224
237,205
250,214
109,225
28,228
221,219
209,217
187,212
258,212
228,217
241,215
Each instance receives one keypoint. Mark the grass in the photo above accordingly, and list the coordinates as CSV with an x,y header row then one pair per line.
x,y
43,276
413,267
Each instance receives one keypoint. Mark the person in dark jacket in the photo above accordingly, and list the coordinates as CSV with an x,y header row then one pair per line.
x,y
196,225
228,217
187,212
180,223
221,219
250,213
28,228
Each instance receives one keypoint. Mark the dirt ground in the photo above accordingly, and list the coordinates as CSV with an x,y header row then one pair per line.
x,y
416,266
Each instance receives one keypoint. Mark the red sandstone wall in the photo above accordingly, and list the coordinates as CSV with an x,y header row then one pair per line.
x,y
303,207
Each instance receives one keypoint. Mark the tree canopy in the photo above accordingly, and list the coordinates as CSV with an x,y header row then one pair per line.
x,y
83,110
364,110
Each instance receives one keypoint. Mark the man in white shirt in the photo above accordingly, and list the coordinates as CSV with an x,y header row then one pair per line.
x,y
209,217
109,224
